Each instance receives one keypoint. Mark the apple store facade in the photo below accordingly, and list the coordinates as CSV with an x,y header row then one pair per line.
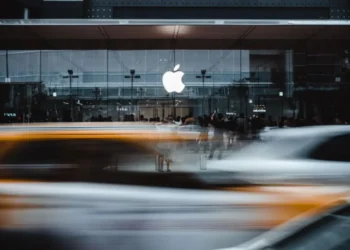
x,y
114,83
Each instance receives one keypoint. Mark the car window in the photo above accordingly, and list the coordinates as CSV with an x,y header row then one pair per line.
x,y
335,149
37,152
74,152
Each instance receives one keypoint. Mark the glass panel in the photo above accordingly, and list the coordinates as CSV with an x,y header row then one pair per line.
x,y
103,77
2,65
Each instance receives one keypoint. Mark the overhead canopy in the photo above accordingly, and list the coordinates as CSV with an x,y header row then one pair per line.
x,y
170,34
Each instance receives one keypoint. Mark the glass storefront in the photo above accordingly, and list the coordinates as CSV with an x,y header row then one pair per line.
x,y
236,81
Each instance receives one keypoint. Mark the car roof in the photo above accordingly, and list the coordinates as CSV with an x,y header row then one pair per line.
x,y
128,131
312,131
78,126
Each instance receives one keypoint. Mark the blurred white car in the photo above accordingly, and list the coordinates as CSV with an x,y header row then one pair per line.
x,y
310,153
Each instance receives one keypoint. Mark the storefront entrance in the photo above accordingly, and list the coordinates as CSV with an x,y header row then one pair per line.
x,y
163,108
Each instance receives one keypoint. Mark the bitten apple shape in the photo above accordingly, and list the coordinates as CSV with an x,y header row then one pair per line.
x,y
172,80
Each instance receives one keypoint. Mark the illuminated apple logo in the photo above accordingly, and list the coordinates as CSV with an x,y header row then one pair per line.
x,y
172,80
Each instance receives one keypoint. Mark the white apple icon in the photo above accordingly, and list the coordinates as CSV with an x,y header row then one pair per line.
x,y
172,80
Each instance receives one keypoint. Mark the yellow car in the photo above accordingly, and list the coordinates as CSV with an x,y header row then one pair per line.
x,y
78,152
79,146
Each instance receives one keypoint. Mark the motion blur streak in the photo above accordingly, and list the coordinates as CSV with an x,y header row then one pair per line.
x,y
102,134
275,207
98,187
296,200
133,215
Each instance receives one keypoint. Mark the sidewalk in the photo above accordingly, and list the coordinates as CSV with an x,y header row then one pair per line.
x,y
182,162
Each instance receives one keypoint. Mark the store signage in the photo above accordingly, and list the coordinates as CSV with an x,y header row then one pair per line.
x,y
172,80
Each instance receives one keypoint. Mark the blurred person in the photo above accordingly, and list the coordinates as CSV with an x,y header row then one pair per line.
x,y
164,157
300,122
271,122
337,121
189,120
177,122
165,149
183,119
231,126
316,120
260,126
241,125
203,142
282,122
255,126
219,126
198,139
290,122
28,117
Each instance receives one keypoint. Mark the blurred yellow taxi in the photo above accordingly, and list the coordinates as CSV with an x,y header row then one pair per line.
x,y
80,145
86,147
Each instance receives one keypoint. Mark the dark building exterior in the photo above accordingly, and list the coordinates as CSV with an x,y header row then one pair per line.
x,y
252,49
179,9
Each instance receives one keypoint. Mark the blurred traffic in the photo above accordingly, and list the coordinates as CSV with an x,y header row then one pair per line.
x,y
198,183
